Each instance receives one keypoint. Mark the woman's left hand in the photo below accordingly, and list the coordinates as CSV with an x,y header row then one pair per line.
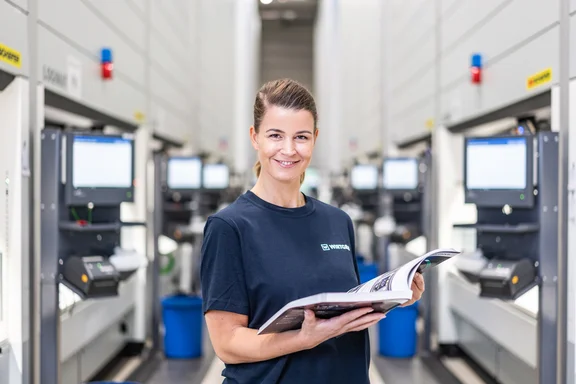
x,y
417,289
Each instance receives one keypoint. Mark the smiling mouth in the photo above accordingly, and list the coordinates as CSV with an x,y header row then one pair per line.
x,y
287,164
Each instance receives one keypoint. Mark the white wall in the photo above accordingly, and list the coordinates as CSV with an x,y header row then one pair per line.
x,y
431,43
228,45
361,54
409,66
327,91
348,79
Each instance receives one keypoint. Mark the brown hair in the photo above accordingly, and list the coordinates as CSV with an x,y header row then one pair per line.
x,y
285,93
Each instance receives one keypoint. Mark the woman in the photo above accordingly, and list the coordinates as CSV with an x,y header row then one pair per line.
x,y
266,249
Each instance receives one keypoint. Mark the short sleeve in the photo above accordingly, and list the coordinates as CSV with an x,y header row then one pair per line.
x,y
353,245
221,270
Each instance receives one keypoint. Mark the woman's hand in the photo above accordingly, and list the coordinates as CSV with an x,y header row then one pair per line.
x,y
417,289
315,331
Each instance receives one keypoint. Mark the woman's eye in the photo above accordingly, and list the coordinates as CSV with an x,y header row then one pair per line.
x,y
274,136
302,137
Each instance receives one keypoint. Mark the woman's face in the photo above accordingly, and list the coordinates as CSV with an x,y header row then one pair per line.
x,y
285,142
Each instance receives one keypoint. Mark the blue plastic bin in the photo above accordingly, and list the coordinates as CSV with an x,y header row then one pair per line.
x,y
367,271
182,316
397,335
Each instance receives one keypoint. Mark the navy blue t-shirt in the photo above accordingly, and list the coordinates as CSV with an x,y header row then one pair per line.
x,y
257,257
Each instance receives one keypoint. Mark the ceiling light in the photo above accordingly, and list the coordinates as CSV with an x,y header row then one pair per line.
x,y
266,2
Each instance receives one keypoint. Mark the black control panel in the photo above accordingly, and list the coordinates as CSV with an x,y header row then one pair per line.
x,y
506,279
91,276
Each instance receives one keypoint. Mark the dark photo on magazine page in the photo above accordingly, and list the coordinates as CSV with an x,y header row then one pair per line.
x,y
384,282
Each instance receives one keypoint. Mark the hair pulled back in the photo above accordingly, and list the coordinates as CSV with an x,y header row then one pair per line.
x,y
285,93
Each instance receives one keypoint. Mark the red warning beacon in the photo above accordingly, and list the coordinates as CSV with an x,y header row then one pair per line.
x,y
106,63
476,69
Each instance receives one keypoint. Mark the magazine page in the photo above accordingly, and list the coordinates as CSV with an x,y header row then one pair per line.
x,y
328,305
401,278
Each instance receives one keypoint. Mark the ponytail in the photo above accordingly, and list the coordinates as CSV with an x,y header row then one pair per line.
x,y
258,168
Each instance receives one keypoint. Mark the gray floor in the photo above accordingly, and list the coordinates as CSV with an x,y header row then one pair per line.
x,y
178,372
184,371
404,371
392,371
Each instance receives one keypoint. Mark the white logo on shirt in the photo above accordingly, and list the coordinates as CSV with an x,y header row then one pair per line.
x,y
328,247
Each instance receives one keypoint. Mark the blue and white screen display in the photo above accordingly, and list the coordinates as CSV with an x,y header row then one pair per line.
x,y
400,174
184,173
101,162
496,163
311,180
216,176
364,176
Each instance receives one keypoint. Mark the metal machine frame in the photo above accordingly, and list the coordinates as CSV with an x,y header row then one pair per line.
x,y
536,240
59,235
181,213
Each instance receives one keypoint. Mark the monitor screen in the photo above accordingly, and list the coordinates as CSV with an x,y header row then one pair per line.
x,y
400,173
215,176
364,176
311,180
102,162
496,163
184,173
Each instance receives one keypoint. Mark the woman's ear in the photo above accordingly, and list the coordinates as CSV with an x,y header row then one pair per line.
x,y
254,137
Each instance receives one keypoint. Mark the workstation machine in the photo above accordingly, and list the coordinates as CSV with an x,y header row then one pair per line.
x,y
362,205
311,184
503,295
86,176
402,197
186,191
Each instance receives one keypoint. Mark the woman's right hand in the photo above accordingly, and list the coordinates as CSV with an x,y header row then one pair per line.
x,y
315,331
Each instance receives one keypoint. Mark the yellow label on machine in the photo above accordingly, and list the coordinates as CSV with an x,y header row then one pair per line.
x,y
10,56
139,116
539,78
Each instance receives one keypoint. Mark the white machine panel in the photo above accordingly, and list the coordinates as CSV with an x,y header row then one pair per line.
x,y
91,318
506,324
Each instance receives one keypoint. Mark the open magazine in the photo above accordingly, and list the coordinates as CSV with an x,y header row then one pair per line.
x,y
382,293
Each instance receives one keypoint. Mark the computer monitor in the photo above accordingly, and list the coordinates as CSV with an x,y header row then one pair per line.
x,y
99,169
400,174
311,180
215,176
184,173
498,171
364,177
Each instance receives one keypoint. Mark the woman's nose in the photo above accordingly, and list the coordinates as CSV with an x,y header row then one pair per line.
x,y
288,148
